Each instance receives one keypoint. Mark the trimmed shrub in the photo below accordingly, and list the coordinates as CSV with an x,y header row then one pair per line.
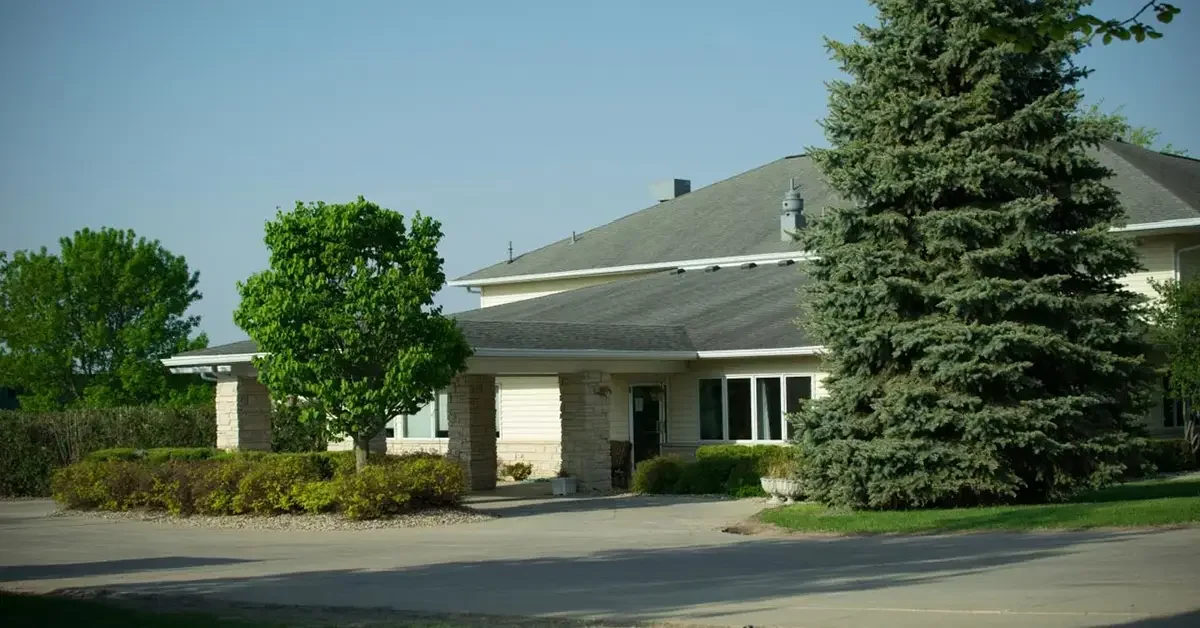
x,y
156,455
217,484
114,485
317,497
291,434
431,481
518,470
658,475
270,486
374,492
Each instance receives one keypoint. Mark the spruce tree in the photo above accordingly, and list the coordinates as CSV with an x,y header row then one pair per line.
x,y
980,346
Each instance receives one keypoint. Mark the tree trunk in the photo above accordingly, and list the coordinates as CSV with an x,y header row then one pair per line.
x,y
360,452
1191,433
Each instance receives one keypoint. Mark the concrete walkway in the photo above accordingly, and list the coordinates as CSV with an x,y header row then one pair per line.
x,y
629,559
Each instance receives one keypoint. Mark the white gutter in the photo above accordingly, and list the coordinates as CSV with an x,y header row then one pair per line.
x,y
759,258
1162,225
760,353
691,264
211,363
210,359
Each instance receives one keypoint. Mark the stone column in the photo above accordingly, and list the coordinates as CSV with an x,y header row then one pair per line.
x,y
472,416
243,414
585,448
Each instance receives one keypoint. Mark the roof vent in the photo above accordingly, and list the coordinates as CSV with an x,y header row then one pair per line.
x,y
712,269
785,262
791,221
748,265
669,189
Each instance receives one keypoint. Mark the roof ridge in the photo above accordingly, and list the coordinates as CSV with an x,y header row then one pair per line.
x,y
614,221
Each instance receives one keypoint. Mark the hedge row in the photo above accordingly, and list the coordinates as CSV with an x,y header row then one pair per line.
x,y
34,444
733,470
263,484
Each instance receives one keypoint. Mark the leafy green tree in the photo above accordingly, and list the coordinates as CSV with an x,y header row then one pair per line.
x,y
1177,329
980,346
1051,23
88,326
1119,128
345,314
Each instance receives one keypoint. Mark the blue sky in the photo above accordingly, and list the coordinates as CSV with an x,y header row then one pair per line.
x,y
189,122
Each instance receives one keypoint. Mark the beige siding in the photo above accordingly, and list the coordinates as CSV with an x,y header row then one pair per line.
x,y
500,294
528,408
1157,255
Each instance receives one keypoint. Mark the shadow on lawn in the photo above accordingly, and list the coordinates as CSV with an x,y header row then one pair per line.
x,y
643,584
1136,491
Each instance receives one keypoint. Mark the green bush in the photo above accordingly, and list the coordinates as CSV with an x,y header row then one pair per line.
x,y
317,497
156,455
270,487
34,444
1170,455
292,432
658,475
261,484
518,470
376,491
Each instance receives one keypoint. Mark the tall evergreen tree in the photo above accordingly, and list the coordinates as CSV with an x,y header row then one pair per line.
x,y
981,348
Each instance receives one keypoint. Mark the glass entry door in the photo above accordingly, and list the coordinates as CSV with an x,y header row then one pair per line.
x,y
647,416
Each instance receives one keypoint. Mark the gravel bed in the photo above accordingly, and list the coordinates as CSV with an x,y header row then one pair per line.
x,y
424,518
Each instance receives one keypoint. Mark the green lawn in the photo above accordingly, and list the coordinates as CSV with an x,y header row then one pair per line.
x,y
30,611
1149,503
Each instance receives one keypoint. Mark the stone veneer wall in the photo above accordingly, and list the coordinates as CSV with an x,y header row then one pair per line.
x,y
585,448
243,408
544,456
472,441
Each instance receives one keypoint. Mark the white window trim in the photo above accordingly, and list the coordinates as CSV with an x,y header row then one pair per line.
x,y
753,377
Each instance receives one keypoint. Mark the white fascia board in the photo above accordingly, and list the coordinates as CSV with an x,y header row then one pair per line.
x,y
1162,225
585,354
690,264
210,360
760,353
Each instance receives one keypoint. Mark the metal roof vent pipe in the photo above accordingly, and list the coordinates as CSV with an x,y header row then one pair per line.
x,y
669,189
791,221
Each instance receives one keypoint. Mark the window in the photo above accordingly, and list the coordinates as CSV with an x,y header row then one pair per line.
x,y
712,410
740,409
1173,409
431,421
751,408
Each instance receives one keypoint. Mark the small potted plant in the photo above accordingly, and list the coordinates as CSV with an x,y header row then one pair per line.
x,y
564,484
782,481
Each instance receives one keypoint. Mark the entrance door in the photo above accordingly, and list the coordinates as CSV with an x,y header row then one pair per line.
x,y
647,414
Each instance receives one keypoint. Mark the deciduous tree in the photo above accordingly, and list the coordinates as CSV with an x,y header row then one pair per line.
x,y
345,314
88,325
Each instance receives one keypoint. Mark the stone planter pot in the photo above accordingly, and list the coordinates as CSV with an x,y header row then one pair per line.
x,y
781,490
563,486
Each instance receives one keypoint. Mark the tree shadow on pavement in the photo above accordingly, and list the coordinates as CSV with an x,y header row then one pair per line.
x,y
645,584
12,573
1190,619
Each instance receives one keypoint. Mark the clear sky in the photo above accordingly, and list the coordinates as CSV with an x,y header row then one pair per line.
x,y
189,122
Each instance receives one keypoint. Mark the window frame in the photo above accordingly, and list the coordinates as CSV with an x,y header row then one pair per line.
x,y
753,377
398,424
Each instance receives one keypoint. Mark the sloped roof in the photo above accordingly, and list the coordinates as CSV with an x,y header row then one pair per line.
x,y
731,308
740,215
728,309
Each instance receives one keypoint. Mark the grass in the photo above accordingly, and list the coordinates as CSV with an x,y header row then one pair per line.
x,y
1136,504
29,611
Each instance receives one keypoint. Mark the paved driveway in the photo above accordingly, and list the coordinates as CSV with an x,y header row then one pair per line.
x,y
629,558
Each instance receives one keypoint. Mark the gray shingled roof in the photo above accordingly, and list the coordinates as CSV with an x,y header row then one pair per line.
x,y
538,335
740,215
731,308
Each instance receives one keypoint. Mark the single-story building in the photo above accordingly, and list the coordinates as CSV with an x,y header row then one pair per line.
x,y
669,328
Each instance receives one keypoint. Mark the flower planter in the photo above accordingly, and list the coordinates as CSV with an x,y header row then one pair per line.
x,y
781,490
563,486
